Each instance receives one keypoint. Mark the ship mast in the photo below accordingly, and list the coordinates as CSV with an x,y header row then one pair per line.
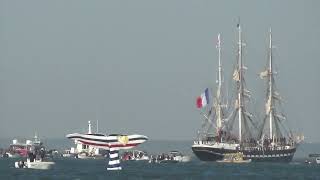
x,y
272,97
240,88
270,103
219,108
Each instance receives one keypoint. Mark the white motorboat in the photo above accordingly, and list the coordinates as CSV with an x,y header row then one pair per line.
x,y
317,156
67,153
36,157
37,164
177,156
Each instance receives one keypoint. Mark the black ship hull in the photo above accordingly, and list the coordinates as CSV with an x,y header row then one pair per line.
x,y
214,154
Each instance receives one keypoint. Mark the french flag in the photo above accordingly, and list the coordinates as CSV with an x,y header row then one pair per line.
x,y
203,99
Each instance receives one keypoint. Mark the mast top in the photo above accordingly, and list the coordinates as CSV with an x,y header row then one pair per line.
x,y
219,41
89,127
238,24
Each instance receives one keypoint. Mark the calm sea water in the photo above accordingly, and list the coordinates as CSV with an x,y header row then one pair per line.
x,y
77,169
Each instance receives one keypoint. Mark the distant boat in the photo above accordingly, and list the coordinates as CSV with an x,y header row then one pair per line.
x,y
19,149
178,156
171,157
84,151
135,155
36,156
67,153
37,164
10,155
265,140
314,155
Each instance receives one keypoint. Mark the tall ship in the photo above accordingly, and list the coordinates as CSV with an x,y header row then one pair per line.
x,y
228,125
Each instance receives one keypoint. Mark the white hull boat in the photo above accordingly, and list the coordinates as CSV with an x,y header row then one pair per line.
x,y
182,158
10,155
34,165
135,155
171,157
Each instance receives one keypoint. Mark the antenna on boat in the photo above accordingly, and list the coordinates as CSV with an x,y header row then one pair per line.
x,y
35,138
89,127
97,126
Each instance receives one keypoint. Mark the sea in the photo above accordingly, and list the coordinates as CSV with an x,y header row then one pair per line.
x,y
95,169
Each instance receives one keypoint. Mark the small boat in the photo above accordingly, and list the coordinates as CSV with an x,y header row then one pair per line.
x,y
37,164
234,158
36,156
135,155
10,155
67,153
178,156
314,155
20,149
162,158
83,155
86,155
35,161
307,162
317,156
17,149
171,157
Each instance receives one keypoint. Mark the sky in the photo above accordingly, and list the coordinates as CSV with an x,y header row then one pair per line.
x,y
138,66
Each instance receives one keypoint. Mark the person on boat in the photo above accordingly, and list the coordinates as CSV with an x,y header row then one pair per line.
x,y
21,164
31,156
42,154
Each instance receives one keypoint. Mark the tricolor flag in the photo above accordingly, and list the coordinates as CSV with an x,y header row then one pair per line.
x,y
203,99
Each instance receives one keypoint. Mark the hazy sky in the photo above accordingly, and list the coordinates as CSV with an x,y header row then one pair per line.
x,y
137,66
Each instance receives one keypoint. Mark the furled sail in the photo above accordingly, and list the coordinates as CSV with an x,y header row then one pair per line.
x,y
263,74
268,106
236,75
